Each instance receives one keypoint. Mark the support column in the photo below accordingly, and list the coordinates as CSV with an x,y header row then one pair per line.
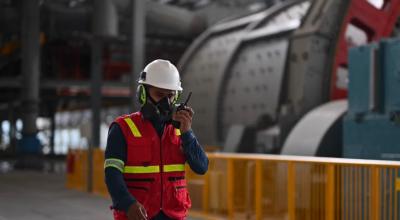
x,y
1,132
95,100
52,130
138,35
13,129
104,25
30,50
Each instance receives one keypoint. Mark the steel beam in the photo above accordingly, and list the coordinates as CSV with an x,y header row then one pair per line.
x,y
52,127
9,83
30,50
96,74
14,83
11,119
137,44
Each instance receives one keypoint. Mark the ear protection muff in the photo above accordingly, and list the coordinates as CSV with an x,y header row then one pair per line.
x,y
141,94
177,97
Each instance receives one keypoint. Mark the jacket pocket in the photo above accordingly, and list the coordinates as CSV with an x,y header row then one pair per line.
x,y
179,199
182,197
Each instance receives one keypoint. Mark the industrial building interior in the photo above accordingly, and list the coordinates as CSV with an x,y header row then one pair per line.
x,y
296,103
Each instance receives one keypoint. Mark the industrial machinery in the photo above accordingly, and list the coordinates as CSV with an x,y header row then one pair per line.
x,y
254,78
372,123
270,81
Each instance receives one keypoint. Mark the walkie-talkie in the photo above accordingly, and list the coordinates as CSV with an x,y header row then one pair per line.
x,y
180,107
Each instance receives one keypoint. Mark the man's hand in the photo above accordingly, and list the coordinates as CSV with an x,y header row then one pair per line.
x,y
185,118
136,212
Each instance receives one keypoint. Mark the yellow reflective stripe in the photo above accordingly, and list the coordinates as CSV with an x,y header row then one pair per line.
x,y
142,169
116,163
178,132
154,169
133,127
174,167
117,167
115,160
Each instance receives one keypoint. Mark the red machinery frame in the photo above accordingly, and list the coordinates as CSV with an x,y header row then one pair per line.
x,y
376,23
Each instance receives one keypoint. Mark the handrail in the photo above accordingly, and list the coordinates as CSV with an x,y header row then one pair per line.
x,y
298,187
291,158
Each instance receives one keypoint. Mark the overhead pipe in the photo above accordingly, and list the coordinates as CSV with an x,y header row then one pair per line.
x,y
105,17
137,48
158,16
168,17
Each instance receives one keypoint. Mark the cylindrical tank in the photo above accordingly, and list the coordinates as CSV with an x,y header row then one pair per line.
x,y
265,71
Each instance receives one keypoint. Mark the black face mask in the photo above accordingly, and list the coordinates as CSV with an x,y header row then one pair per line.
x,y
164,106
160,111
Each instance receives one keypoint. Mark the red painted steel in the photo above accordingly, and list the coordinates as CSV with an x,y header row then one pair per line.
x,y
376,23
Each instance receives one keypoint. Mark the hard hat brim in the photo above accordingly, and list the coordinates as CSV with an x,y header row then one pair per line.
x,y
161,86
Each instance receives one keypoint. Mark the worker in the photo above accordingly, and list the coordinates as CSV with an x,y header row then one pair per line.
x,y
145,154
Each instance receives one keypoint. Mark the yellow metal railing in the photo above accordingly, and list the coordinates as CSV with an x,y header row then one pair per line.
x,y
77,171
253,186
249,186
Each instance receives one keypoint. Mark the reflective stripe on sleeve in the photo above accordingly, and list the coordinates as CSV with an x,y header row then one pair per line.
x,y
116,163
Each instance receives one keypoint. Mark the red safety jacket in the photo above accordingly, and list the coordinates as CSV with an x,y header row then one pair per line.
x,y
155,168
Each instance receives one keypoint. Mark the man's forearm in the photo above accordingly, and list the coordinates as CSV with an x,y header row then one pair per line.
x,y
116,186
195,155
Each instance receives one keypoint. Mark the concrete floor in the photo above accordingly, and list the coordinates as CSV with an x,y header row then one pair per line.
x,y
30,195
37,195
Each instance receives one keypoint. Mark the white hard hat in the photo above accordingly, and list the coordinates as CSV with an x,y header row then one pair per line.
x,y
161,74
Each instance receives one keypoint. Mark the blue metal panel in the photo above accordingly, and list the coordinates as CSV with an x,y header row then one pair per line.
x,y
391,67
372,124
373,138
359,78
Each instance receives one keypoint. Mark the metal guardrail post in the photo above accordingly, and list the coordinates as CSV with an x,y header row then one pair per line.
x,y
375,193
330,192
230,188
396,193
258,191
206,192
291,184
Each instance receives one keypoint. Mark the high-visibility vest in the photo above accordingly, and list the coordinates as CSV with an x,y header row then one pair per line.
x,y
155,168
